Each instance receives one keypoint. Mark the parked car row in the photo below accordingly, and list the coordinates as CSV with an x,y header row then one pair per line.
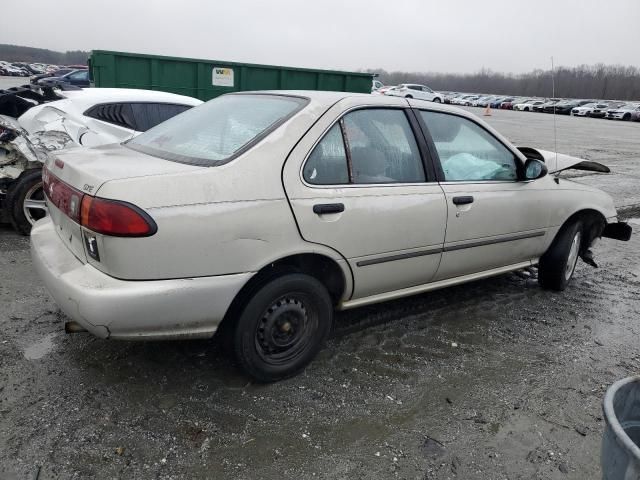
x,y
614,110
24,69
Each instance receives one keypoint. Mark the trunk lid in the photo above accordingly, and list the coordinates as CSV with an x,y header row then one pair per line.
x,y
87,169
81,171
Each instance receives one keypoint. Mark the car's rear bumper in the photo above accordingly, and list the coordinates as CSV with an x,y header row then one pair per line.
x,y
122,309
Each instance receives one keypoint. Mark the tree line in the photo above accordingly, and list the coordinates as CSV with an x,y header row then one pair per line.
x,y
17,53
615,82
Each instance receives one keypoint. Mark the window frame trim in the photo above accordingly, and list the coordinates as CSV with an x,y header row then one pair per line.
x,y
425,159
436,156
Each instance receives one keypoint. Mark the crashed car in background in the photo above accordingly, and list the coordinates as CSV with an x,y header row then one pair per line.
x,y
63,119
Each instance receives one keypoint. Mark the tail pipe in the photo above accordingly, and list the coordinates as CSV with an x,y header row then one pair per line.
x,y
73,327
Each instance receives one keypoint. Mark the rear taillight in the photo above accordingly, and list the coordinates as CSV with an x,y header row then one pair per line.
x,y
107,217
66,198
116,218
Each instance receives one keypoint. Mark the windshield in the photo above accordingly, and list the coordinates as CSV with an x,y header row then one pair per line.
x,y
219,130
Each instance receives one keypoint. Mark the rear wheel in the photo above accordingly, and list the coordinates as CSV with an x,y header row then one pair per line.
x,y
437,100
25,201
282,327
558,263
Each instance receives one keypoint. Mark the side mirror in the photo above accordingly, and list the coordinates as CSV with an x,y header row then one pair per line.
x,y
534,169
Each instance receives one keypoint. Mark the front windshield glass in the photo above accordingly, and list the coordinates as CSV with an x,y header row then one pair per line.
x,y
218,130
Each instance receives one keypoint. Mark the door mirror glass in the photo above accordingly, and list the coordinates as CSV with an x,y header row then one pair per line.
x,y
534,169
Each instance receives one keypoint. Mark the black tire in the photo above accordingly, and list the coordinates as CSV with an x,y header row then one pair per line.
x,y
28,186
437,100
558,264
408,96
283,327
626,117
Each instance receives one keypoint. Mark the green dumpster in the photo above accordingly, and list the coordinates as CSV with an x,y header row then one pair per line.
x,y
206,79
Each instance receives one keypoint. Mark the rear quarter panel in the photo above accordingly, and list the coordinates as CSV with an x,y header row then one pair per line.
x,y
220,220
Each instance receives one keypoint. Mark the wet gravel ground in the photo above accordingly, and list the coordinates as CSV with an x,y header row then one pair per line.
x,y
495,379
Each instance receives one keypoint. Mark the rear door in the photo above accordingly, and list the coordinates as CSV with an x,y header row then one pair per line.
x,y
494,219
359,183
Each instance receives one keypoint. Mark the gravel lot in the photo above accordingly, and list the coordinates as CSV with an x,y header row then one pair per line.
x,y
492,380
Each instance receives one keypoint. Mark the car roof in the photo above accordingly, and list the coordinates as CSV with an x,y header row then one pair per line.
x,y
104,95
327,99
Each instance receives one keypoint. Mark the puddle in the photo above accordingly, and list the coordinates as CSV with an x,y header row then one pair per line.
x,y
41,348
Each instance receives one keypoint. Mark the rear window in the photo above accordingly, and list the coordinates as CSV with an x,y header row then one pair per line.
x,y
218,130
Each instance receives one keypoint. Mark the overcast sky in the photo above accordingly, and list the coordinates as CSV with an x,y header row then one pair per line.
x,y
411,35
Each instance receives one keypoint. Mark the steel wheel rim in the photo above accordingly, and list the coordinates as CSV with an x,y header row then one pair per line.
x,y
286,329
34,206
572,260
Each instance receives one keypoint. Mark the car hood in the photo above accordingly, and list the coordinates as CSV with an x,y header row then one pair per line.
x,y
557,162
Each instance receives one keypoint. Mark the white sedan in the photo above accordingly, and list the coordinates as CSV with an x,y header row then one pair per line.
x,y
86,117
527,106
587,109
258,214
412,90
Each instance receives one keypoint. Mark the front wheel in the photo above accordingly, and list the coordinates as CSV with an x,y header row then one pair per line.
x,y
283,327
25,201
558,263
408,96
437,100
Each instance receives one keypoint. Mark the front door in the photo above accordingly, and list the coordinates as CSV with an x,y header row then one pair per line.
x,y
357,183
494,219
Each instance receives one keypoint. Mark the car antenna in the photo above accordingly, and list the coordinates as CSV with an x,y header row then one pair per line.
x,y
555,130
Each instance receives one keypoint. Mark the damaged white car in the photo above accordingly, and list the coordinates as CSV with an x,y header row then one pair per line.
x,y
259,214
78,117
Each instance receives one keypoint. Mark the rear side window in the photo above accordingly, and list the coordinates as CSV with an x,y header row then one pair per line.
x,y
148,115
369,146
219,130
327,164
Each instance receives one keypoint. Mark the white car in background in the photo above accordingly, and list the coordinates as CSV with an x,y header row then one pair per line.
x,y
413,90
625,112
88,118
527,106
587,110
376,85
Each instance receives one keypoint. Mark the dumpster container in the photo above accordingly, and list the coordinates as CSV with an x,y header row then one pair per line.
x,y
620,458
206,79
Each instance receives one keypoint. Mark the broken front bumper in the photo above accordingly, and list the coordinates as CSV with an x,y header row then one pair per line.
x,y
618,231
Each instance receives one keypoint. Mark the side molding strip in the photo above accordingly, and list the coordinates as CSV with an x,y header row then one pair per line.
x,y
481,243
450,248
400,256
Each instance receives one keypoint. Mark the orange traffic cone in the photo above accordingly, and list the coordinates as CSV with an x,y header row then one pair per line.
x,y
487,111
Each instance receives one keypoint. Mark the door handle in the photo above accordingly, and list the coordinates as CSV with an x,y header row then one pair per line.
x,y
463,200
323,208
